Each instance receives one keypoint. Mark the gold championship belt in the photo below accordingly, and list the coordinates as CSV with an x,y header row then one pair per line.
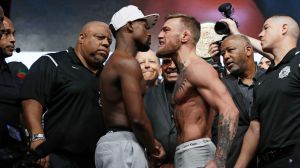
x,y
208,36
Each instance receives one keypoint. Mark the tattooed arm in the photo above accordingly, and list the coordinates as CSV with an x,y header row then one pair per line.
x,y
226,133
210,87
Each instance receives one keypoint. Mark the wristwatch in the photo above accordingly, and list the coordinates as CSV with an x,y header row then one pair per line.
x,y
36,137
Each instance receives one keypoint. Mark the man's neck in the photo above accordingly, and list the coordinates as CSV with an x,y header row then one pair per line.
x,y
281,51
249,74
93,69
184,57
126,44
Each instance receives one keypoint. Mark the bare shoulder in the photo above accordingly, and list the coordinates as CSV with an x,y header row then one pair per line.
x,y
201,72
124,63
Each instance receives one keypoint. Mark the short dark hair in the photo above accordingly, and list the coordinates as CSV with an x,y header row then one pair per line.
x,y
294,29
189,22
241,37
246,39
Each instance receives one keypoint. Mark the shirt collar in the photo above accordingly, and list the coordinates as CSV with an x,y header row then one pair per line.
x,y
258,73
287,58
4,66
73,56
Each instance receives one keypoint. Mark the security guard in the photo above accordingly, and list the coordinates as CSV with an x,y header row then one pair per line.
x,y
11,78
275,116
61,90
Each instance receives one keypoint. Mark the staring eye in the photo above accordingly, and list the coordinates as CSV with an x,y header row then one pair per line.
x,y
230,49
3,31
100,37
109,41
266,27
7,32
142,62
165,29
166,62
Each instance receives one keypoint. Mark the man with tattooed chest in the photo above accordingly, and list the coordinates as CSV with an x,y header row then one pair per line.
x,y
198,94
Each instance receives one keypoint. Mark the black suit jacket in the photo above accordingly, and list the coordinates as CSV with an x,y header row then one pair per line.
x,y
231,84
244,120
158,111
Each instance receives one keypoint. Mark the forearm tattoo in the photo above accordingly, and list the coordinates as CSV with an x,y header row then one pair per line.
x,y
226,133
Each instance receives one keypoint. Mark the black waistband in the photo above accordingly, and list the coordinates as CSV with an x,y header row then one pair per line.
x,y
119,128
278,153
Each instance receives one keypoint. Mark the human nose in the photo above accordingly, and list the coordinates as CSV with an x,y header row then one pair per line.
x,y
147,64
160,35
260,35
105,42
12,38
225,56
172,65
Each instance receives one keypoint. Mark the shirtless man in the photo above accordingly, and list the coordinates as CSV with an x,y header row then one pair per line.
x,y
197,95
122,87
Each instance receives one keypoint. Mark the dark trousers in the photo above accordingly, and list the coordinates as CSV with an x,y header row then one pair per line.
x,y
285,162
61,161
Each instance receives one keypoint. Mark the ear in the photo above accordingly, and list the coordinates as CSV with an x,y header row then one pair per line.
x,y
249,50
129,26
81,37
186,36
285,29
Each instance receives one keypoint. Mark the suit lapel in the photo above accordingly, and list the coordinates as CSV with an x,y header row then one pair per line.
x,y
237,96
163,103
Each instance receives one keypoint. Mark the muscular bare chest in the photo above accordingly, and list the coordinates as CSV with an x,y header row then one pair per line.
x,y
183,89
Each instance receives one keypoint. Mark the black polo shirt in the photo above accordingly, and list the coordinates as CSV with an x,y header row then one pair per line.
x,y
247,92
69,94
11,78
277,104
